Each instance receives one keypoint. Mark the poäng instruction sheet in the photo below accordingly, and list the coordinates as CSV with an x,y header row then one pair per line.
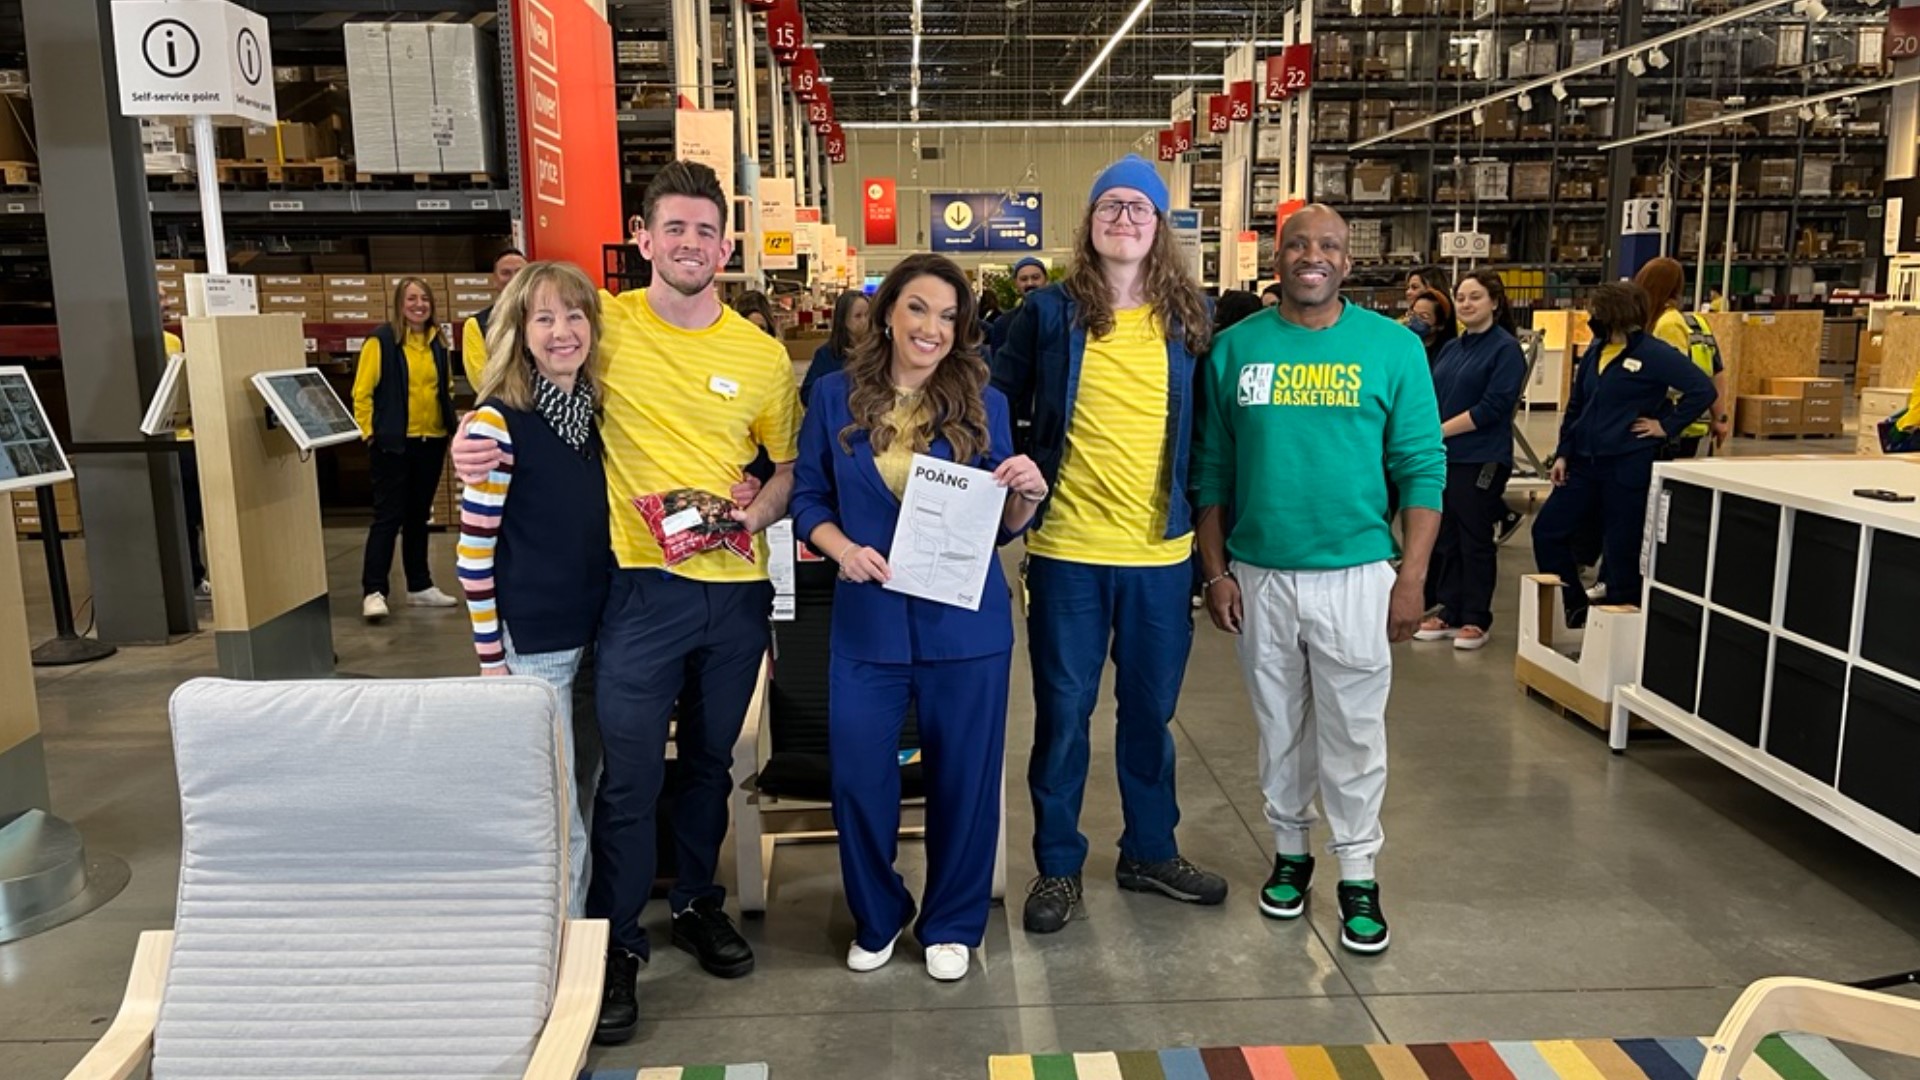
x,y
944,541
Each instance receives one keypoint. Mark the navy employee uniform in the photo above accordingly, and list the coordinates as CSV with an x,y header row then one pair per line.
x,y
889,650
1609,468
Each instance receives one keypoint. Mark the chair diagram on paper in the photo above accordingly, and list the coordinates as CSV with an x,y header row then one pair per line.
x,y
943,543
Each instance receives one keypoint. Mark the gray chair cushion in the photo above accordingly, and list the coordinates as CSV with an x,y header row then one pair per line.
x,y
372,882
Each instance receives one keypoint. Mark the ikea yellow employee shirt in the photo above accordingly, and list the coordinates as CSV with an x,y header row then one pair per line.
x,y
174,346
1109,503
423,388
473,353
688,409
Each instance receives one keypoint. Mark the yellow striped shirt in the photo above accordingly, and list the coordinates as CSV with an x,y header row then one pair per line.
x,y
688,409
1109,503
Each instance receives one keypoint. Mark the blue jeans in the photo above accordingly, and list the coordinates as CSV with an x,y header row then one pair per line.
x,y
557,669
1075,612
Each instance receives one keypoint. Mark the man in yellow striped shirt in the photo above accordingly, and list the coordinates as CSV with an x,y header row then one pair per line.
x,y
692,389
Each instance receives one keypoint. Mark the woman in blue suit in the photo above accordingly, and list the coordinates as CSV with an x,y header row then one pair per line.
x,y
917,385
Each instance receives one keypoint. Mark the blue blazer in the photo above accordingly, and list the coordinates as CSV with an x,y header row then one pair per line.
x,y
1604,404
872,623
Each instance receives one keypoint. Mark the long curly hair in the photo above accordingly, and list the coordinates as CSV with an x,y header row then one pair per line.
x,y
1166,283
955,393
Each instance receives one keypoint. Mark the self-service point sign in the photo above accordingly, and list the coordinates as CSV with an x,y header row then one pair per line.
x,y
193,58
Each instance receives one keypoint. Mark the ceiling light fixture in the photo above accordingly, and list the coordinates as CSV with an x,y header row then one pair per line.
x,y
1806,114
1479,117
1657,59
1105,50
1525,102
1636,67
899,125
1559,91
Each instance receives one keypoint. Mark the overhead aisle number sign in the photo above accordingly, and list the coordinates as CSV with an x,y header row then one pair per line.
x,y
193,58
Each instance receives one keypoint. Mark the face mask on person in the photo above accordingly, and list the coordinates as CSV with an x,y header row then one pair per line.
x,y
1600,330
1420,326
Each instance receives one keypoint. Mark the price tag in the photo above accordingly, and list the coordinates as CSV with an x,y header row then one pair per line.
x,y
16,208
285,205
433,204
441,123
777,243
479,204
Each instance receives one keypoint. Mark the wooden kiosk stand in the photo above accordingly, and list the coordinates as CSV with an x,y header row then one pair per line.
x,y
265,550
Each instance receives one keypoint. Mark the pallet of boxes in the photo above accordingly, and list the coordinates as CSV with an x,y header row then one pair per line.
x,y
461,297
1792,406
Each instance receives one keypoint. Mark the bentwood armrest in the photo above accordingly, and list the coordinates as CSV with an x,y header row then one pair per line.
x,y
746,749
562,1049
1770,1006
123,1050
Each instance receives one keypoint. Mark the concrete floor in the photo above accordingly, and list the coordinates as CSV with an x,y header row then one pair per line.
x,y
1538,886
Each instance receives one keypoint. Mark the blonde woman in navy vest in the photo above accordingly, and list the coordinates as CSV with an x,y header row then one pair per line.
x,y
403,401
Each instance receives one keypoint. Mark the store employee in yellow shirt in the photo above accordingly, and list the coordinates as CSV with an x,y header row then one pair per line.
x,y
403,401
691,389
473,333
1103,364
190,485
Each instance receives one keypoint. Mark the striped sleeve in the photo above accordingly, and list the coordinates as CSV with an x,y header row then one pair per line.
x,y
481,506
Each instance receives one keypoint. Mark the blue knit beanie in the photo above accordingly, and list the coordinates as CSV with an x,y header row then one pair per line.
x,y
1136,172
1028,261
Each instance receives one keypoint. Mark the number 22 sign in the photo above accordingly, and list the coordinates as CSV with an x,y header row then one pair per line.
x,y
1289,72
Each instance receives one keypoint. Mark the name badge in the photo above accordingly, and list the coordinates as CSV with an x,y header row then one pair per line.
x,y
1630,364
723,386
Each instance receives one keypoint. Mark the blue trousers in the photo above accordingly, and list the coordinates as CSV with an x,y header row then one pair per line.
x,y
1610,492
665,639
962,708
1075,612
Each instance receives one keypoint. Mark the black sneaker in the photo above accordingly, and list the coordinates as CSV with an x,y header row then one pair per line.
x,y
1284,896
1051,903
1363,928
1509,524
704,930
619,1005
1175,877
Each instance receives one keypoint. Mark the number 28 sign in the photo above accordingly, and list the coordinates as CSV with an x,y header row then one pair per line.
x,y
1289,72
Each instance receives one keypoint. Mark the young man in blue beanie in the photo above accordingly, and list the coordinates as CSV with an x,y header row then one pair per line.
x,y
1102,363
1301,402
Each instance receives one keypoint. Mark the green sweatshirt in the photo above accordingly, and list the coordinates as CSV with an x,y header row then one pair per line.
x,y
1303,431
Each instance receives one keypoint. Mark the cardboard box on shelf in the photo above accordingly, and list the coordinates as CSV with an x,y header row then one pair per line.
x,y
1816,177
351,314
1529,59
1532,181
353,281
457,282
1373,182
1333,121
1776,176
1330,179
1770,232
1761,414
1490,180
354,298
1820,416
290,142
179,266
422,98
1409,187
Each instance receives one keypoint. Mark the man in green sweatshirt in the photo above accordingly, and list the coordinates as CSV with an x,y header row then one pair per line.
x,y
1301,401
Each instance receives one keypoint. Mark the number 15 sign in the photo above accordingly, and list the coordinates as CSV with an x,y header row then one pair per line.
x,y
1289,72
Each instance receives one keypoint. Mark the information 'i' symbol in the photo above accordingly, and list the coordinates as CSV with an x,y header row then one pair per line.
x,y
170,48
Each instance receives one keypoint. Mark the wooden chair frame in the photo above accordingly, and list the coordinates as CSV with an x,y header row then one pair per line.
x,y
761,822
1770,1006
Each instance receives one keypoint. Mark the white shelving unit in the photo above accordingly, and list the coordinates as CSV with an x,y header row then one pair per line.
x,y
1780,637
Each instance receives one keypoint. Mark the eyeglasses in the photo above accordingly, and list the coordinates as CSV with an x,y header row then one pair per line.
x,y
1137,212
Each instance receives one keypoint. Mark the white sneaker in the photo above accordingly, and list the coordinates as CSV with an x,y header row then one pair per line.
x,y
205,589
1597,593
948,963
1470,638
859,959
373,608
431,596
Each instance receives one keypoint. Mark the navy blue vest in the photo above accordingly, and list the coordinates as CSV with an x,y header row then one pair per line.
x,y
390,395
551,565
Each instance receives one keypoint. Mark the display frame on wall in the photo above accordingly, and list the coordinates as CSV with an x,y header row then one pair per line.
x,y
307,407
30,455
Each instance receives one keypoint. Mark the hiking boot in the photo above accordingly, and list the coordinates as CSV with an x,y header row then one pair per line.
x,y
1175,877
1284,896
1363,927
1051,903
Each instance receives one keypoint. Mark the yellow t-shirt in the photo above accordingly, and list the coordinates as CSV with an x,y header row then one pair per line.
x,y
423,388
473,353
687,409
174,345
1609,353
1109,503
894,463
1912,419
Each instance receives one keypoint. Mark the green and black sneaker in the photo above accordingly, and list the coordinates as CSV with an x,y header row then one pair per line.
x,y
1363,928
1284,896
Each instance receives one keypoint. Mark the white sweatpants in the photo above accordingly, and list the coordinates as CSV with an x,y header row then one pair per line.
x,y
1313,647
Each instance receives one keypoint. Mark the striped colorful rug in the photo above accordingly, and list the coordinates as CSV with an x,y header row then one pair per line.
x,y
1790,1057
680,1073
